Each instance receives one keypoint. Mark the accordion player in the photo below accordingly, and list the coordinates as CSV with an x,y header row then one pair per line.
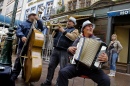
x,y
87,52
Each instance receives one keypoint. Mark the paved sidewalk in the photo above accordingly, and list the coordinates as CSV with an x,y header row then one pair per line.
x,y
121,79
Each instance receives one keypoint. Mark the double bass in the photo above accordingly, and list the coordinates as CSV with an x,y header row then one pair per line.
x,y
32,65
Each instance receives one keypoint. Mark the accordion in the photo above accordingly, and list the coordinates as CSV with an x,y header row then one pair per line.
x,y
87,52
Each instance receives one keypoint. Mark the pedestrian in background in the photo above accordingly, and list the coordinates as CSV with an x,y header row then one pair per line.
x,y
114,49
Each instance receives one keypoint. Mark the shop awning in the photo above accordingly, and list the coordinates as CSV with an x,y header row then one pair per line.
x,y
79,17
5,21
64,19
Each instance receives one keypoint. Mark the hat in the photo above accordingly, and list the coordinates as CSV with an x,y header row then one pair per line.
x,y
87,23
32,13
73,20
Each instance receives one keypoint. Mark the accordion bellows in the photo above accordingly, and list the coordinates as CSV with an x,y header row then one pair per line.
x,y
87,51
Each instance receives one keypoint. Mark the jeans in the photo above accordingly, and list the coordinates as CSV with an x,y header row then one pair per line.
x,y
113,61
58,56
70,71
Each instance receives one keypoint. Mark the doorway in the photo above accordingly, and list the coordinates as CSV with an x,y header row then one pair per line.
x,y
123,36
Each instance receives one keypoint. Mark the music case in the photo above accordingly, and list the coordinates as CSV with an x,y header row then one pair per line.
x,y
5,75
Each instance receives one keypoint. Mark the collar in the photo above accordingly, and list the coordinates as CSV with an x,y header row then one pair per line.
x,y
28,21
91,36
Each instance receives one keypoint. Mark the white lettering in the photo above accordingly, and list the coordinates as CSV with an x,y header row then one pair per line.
x,y
126,12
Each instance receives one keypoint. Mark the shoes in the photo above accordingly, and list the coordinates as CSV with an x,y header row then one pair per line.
x,y
112,73
46,83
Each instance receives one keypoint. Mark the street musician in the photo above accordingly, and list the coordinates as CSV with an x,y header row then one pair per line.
x,y
63,38
22,32
72,70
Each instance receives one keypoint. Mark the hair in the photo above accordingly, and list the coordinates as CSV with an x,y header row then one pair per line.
x,y
115,36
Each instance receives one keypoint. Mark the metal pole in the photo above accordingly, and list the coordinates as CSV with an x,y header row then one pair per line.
x,y
6,53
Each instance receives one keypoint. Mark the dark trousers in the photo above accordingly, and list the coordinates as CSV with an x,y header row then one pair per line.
x,y
17,65
57,56
70,71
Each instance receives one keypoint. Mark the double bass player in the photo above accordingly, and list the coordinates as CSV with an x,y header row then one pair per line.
x,y
22,32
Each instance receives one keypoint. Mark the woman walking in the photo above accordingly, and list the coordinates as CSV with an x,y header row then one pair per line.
x,y
114,49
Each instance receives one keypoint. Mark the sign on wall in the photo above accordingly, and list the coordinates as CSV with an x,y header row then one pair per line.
x,y
119,12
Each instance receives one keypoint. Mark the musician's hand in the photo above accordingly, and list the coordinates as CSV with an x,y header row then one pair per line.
x,y
60,28
72,49
36,17
103,57
24,39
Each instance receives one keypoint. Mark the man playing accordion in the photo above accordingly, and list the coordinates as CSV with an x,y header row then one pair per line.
x,y
72,70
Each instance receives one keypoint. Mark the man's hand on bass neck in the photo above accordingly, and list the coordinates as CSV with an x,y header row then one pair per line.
x,y
24,39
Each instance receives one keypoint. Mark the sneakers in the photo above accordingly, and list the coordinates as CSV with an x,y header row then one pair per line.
x,y
112,73
46,83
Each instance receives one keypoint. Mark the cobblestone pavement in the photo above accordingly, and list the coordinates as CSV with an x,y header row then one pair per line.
x,y
121,79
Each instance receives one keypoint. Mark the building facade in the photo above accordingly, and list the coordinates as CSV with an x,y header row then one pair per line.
x,y
6,10
41,7
3,4
20,9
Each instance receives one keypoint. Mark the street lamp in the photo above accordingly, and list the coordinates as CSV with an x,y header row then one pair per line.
x,y
6,53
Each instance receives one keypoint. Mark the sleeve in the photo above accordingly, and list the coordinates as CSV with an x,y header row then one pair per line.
x,y
19,31
74,44
119,47
73,35
40,25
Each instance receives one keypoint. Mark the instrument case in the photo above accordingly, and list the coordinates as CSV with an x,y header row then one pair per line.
x,y
5,75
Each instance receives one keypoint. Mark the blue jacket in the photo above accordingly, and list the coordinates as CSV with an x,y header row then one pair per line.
x,y
61,41
23,29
